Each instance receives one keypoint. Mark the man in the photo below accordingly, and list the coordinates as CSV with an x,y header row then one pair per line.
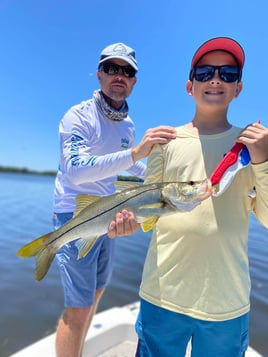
x,y
196,284
96,141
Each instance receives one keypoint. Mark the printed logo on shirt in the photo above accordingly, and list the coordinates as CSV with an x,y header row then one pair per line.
x,y
76,160
125,143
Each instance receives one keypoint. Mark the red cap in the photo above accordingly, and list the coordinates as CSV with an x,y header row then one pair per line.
x,y
220,44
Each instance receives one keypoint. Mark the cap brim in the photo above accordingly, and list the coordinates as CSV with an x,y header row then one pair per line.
x,y
220,44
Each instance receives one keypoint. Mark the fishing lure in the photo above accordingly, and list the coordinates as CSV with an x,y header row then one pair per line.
x,y
236,159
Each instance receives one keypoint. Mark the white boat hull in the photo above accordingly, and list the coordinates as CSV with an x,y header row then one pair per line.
x,y
112,333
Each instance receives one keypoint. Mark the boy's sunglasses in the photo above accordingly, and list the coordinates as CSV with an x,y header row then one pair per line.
x,y
227,74
112,69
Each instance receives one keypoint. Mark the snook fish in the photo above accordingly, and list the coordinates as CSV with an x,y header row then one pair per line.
x,y
93,215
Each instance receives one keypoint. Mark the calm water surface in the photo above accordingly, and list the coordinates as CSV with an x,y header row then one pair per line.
x,y
30,309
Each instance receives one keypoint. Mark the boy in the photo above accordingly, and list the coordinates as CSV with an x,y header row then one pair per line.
x,y
196,283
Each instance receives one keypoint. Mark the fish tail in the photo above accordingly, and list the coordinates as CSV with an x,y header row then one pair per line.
x,y
43,255
31,249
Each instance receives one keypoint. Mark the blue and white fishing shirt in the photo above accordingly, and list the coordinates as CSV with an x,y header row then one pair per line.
x,y
93,151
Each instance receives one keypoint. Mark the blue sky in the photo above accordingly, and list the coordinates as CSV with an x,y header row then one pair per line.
x,y
50,49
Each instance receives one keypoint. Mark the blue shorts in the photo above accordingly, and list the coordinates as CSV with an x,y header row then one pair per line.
x,y
163,333
81,278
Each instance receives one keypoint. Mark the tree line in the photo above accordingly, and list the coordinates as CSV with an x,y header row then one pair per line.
x,y
25,170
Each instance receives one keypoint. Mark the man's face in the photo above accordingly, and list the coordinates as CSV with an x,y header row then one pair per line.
x,y
116,86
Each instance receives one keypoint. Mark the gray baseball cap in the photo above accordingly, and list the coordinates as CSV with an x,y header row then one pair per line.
x,y
119,51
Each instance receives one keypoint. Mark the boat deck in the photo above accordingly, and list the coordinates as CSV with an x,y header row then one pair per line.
x,y
112,334
124,349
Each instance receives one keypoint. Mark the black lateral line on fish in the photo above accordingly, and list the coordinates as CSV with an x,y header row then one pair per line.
x,y
156,186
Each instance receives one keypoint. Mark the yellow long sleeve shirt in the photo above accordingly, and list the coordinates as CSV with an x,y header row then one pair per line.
x,y
197,262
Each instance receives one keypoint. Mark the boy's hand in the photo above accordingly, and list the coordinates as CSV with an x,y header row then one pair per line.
x,y
123,225
255,137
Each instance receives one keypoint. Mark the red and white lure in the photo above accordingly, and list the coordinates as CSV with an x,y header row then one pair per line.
x,y
236,159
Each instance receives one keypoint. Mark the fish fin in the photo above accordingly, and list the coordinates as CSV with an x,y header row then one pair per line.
x,y
82,201
44,256
149,224
84,247
123,185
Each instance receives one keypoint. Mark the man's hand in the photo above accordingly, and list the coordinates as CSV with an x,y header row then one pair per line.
x,y
123,225
160,135
255,137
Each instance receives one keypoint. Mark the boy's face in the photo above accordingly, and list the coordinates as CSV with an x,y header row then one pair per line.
x,y
215,92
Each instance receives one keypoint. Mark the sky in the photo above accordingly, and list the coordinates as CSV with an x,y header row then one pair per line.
x,y
49,51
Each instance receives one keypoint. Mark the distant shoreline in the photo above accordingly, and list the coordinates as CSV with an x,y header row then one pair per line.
x,y
25,170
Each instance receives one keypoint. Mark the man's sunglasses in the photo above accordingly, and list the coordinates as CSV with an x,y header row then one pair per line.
x,y
227,74
112,69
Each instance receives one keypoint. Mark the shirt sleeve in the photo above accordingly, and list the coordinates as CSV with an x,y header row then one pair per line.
x,y
260,203
155,166
138,169
77,158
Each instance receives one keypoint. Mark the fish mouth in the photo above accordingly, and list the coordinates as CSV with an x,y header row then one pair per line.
x,y
201,192
188,198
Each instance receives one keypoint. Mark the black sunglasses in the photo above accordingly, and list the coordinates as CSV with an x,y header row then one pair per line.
x,y
227,73
112,69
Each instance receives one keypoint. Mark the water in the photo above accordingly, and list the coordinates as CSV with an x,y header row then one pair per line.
x,y
29,310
